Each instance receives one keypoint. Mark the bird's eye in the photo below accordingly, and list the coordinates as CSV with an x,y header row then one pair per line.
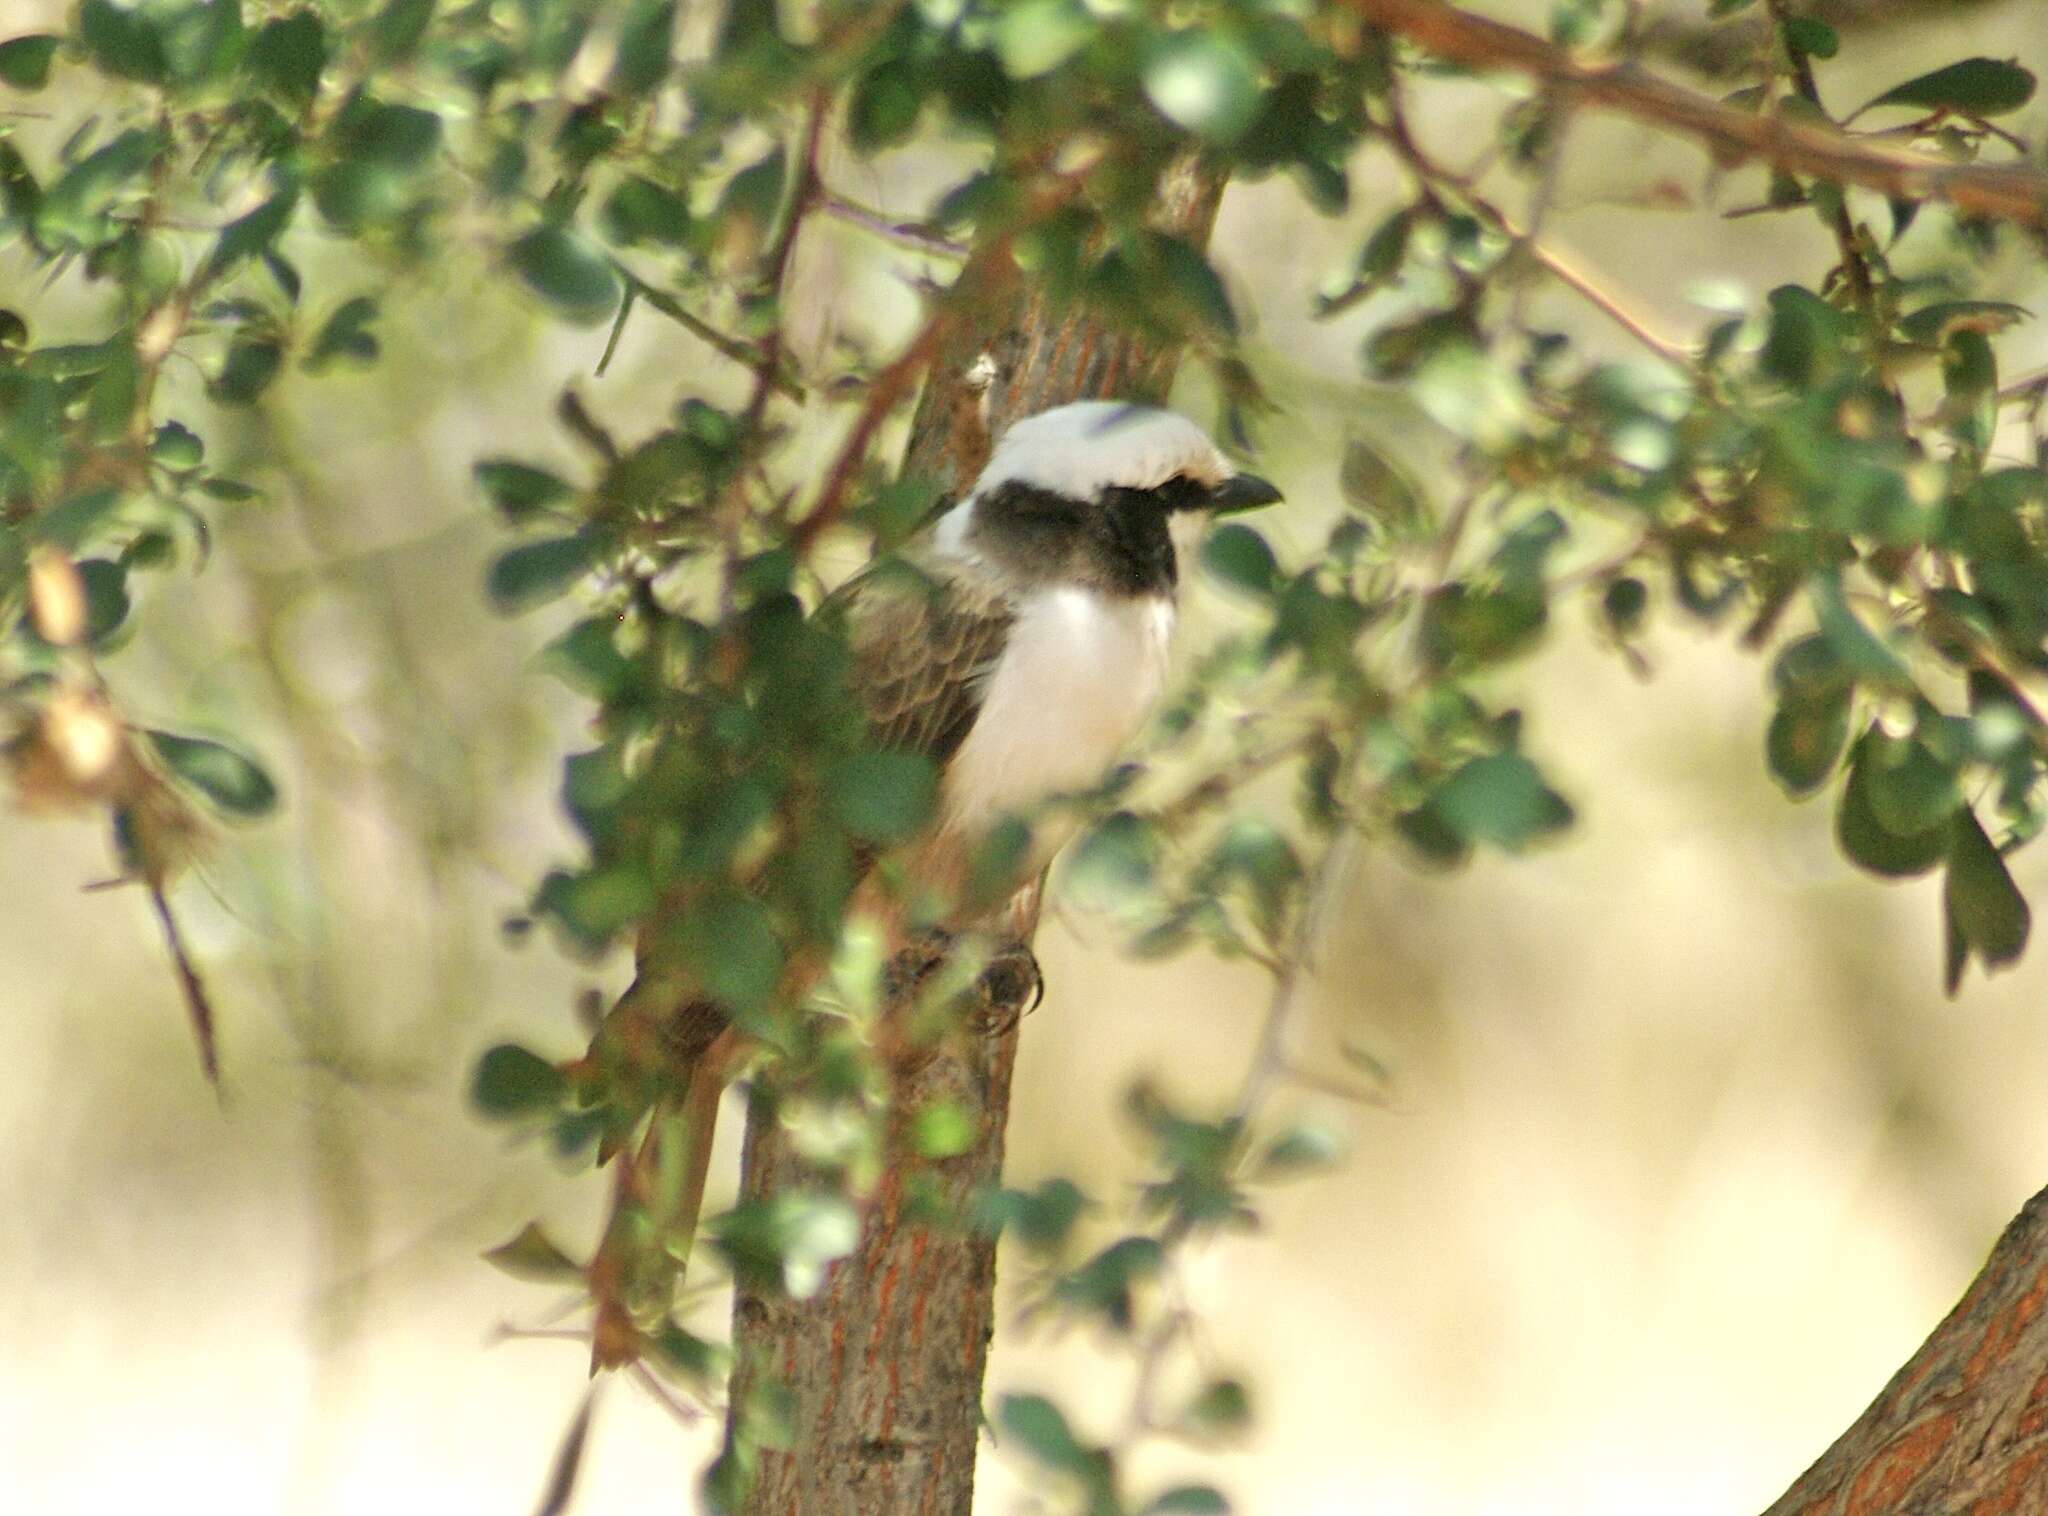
x,y
1180,493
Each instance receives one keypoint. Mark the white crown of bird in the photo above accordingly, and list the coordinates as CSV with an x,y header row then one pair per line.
x,y
1082,449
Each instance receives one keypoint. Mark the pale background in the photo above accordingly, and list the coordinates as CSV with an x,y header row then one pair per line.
x,y
1687,1150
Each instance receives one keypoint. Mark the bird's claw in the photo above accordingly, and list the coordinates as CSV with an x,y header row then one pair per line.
x,y
1009,988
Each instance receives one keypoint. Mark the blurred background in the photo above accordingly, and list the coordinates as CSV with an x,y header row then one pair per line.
x,y
1685,1151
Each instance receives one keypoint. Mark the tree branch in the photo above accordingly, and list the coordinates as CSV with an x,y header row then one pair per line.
x,y
1963,1427
2005,193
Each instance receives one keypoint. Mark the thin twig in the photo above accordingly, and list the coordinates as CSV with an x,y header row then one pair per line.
x,y
663,1396
2003,192
767,357
904,233
703,331
586,428
2026,387
1269,1059
197,1006
611,343
889,386
1854,264
1605,301
884,391
1432,177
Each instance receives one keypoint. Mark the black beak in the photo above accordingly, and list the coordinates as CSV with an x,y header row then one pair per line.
x,y
1241,492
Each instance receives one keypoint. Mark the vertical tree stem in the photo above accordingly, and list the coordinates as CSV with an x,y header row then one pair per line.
x,y
884,1364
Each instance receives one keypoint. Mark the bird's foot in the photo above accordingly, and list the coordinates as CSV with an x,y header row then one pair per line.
x,y
1009,988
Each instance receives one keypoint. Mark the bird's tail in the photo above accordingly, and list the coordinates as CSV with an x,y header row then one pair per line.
x,y
657,1201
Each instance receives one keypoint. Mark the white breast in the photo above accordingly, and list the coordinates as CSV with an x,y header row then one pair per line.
x,y
1076,680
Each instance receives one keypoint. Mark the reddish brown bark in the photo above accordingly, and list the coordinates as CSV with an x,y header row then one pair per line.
x,y
884,1365
1962,1429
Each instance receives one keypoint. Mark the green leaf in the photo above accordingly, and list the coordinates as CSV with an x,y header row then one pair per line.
x,y
1203,82
1866,840
250,366
1382,491
80,520
1301,1147
885,105
1463,624
1806,334
1238,556
534,573
512,1081
397,137
1042,1218
519,490
646,46
564,270
176,446
233,781
1113,863
1859,649
398,27
1807,736
587,659
597,904
1985,913
1623,603
251,235
1500,799
1106,1283
754,194
730,940
1221,1407
1812,37
1910,789
942,1130
1969,87
76,209
220,487
346,336
25,61
201,38
287,55
123,42
788,1240
639,210
532,1254
1037,36
1191,279
106,597
1934,324
1188,1500
686,1354
1042,1430
882,797
1252,852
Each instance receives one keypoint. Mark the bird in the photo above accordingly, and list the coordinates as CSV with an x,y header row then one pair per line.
x,y
1018,640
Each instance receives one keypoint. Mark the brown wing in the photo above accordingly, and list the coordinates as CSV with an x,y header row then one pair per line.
x,y
924,644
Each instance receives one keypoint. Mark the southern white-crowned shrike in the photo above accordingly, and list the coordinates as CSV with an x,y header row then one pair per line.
x,y
1019,641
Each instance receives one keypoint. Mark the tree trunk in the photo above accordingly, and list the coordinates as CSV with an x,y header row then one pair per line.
x,y
1963,1427
883,1366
